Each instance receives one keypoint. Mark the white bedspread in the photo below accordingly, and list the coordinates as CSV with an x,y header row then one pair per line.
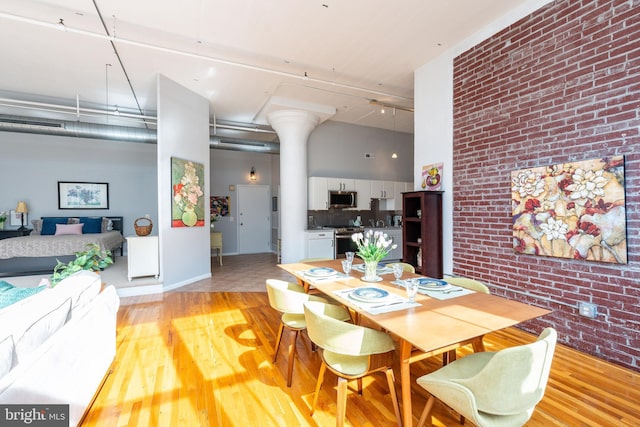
x,y
41,246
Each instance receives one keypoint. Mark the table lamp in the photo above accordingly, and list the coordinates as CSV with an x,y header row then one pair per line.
x,y
22,209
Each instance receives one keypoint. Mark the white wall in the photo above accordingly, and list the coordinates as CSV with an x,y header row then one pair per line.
x,y
183,131
434,116
31,166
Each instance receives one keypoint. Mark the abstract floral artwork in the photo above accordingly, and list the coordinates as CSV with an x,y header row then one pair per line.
x,y
219,206
572,210
187,203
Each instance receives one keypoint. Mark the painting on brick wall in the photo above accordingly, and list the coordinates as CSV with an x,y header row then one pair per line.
x,y
571,210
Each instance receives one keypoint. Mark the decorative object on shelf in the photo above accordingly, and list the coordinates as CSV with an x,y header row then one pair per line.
x,y
22,209
83,195
93,259
372,246
143,229
187,205
573,210
432,177
3,219
252,174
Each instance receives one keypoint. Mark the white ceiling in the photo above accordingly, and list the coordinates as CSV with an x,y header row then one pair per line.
x,y
238,54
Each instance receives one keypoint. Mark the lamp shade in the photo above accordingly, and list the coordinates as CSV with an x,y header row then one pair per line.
x,y
22,207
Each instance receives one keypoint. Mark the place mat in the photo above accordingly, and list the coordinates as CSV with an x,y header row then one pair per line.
x,y
316,279
456,291
379,270
394,303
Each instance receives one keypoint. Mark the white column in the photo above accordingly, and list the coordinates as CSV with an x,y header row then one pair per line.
x,y
293,128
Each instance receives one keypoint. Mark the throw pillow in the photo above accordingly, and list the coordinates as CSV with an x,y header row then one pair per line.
x,y
10,294
6,355
92,225
37,226
49,225
73,229
107,224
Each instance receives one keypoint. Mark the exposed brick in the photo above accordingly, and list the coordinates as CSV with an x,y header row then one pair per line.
x,y
557,86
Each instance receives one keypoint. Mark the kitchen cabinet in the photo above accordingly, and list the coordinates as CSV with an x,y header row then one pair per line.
x,y
363,188
341,184
422,232
382,189
320,244
317,194
394,200
142,256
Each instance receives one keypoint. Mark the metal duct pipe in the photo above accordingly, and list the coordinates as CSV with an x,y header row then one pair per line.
x,y
119,133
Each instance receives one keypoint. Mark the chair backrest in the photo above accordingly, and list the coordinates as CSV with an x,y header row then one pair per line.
x,y
405,266
216,239
465,282
287,297
514,379
340,337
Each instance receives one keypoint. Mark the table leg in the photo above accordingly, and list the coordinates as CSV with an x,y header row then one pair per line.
x,y
405,382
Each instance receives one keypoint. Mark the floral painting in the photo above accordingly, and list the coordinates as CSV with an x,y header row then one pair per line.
x,y
187,205
572,210
219,207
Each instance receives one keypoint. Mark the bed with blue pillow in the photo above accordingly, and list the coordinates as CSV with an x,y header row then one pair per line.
x,y
58,238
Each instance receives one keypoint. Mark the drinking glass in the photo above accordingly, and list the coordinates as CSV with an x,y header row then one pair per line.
x,y
397,271
412,290
350,256
346,266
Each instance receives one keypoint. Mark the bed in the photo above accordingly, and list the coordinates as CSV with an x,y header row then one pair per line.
x,y
39,252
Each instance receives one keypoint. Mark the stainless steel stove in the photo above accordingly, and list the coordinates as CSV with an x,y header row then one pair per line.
x,y
343,241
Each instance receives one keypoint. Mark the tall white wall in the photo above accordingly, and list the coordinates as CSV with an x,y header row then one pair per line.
x,y
183,131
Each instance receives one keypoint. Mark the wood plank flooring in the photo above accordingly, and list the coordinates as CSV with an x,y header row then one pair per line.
x,y
204,359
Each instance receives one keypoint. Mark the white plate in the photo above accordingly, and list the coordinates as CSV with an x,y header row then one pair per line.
x,y
322,272
369,294
431,284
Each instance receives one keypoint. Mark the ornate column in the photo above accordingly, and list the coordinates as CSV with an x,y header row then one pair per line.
x,y
293,128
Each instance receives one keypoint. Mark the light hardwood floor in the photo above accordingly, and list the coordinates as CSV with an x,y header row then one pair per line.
x,y
204,359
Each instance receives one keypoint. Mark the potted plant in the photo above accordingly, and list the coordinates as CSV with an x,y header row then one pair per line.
x,y
93,259
3,219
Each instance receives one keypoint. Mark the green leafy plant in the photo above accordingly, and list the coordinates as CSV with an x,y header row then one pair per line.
x,y
93,259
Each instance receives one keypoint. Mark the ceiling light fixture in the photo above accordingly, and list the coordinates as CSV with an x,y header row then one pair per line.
x,y
388,105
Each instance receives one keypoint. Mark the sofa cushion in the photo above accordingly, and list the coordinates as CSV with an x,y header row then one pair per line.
x,y
49,224
81,287
44,326
7,350
64,229
10,294
92,225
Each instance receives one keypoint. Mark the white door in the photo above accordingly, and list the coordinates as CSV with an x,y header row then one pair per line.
x,y
254,219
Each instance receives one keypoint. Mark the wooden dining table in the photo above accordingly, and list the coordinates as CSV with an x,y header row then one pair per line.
x,y
436,326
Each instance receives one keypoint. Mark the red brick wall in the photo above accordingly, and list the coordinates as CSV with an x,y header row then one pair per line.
x,y
560,85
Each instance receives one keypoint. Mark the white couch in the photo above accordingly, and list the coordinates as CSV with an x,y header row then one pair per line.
x,y
57,346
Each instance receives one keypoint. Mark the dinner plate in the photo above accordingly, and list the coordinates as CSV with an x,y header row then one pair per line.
x,y
322,272
431,284
369,294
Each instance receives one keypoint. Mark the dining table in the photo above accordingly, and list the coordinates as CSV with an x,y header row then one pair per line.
x,y
437,322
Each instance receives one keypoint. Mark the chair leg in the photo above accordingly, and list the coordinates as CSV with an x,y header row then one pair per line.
x,y
323,369
426,413
278,340
342,401
292,353
394,396
359,381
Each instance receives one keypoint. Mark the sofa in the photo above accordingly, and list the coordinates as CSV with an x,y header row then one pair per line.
x,y
57,345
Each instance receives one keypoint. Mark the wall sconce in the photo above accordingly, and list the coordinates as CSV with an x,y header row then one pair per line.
x,y
22,209
252,174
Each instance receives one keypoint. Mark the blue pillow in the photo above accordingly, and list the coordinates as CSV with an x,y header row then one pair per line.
x,y
49,225
9,294
91,225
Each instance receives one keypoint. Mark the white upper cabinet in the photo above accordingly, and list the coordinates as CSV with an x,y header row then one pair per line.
x,y
317,194
363,188
382,189
341,184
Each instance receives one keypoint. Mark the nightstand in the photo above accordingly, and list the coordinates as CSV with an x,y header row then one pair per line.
x,y
142,256
5,234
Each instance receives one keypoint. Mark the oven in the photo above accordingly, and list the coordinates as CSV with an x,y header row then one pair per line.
x,y
343,241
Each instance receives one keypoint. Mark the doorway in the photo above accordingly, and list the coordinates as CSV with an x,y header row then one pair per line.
x,y
254,219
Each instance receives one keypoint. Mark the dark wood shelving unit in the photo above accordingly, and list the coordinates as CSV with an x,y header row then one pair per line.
x,y
423,234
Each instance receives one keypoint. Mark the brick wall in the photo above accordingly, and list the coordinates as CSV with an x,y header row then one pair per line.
x,y
560,85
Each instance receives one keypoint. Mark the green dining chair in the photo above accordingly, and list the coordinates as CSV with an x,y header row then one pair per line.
x,y
405,266
288,298
493,388
350,352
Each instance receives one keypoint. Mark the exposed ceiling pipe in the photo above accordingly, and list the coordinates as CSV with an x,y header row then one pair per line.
x,y
120,133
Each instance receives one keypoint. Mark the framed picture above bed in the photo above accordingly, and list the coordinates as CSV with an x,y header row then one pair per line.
x,y
83,195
